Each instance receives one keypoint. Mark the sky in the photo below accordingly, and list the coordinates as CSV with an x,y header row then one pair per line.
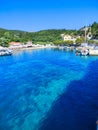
x,y
35,15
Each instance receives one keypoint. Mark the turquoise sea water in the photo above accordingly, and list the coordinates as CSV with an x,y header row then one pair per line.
x,y
32,81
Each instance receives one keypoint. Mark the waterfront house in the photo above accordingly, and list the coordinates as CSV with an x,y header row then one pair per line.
x,y
68,37
15,45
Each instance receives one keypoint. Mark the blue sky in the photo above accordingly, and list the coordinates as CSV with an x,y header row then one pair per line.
x,y
35,15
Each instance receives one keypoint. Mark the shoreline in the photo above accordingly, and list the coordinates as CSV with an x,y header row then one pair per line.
x,y
32,48
4,51
10,50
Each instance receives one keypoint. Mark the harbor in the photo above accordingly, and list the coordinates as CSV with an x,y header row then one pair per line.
x,y
83,50
87,49
5,51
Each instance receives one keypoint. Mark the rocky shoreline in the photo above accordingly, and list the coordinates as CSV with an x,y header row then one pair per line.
x,y
81,50
9,51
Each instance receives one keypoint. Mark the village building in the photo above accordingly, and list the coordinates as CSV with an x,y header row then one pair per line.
x,y
16,45
67,37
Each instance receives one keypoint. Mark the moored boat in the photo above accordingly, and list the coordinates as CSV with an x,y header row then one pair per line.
x,y
5,51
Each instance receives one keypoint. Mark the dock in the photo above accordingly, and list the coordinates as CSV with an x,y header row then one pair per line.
x,y
93,52
87,50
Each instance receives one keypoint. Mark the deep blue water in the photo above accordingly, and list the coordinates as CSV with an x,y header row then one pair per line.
x,y
48,89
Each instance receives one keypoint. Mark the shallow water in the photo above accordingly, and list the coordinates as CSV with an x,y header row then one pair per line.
x,y
48,89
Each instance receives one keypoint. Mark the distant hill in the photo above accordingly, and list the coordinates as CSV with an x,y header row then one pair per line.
x,y
15,31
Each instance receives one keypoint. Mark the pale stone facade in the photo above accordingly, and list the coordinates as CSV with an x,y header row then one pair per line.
x,y
69,37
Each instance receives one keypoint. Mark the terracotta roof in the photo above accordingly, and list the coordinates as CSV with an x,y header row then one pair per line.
x,y
16,43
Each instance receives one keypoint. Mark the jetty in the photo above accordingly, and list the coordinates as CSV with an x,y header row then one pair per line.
x,y
94,52
87,49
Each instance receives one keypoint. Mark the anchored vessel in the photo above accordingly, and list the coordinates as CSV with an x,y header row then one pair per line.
x,y
5,51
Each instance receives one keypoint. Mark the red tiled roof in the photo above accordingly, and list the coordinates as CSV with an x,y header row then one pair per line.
x,y
16,43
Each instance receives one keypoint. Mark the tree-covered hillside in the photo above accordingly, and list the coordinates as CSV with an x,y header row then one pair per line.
x,y
44,36
94,29
50,35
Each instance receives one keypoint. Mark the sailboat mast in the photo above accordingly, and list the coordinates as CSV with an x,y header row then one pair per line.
x,y
85,34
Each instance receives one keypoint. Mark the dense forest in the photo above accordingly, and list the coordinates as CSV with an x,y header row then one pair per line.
x,y
40,37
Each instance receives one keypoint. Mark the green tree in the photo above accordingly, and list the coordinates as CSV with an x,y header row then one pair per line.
x,y
79,41
94,29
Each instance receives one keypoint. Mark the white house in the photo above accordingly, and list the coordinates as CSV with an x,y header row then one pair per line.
x,y
69,37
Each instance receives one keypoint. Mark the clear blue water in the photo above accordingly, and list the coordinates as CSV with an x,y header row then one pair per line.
x,y
48,89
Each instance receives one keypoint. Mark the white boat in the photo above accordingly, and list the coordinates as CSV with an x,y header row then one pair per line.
x,y
84,52
5,51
